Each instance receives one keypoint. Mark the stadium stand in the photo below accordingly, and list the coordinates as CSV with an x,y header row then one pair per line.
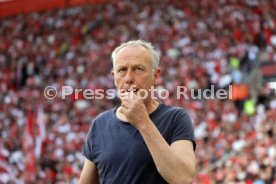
x,y
202,43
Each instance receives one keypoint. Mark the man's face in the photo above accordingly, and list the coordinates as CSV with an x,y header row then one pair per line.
x,y
133,70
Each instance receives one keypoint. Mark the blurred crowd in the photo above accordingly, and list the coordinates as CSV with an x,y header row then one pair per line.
x,y
202,43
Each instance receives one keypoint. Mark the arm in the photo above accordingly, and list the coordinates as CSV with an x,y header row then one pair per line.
x,y
175,163
89,173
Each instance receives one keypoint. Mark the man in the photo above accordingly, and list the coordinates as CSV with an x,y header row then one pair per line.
x,y
141,141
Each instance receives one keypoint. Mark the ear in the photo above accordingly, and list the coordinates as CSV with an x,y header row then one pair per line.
x,y
157,76
112,73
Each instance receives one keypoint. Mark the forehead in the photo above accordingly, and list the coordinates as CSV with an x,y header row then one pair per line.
x,y
137,54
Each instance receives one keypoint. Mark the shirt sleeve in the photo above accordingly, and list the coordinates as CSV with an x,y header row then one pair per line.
x,y
183,128
88,146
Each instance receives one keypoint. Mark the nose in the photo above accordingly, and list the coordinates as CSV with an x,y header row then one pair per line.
x,y
129,77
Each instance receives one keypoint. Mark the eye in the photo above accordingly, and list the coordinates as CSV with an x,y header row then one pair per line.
x,y
139,69
121,70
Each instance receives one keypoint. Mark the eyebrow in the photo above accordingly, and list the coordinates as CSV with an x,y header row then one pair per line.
x,y
135,65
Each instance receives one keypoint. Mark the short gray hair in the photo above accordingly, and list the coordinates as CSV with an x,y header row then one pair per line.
x,y
147,45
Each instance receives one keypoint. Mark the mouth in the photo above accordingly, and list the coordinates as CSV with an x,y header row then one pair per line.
x,y
129,90
134,90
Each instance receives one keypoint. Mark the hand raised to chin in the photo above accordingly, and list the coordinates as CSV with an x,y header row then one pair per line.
x,y
134,109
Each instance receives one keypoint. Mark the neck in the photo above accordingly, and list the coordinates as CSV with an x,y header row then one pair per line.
x,y
151,105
